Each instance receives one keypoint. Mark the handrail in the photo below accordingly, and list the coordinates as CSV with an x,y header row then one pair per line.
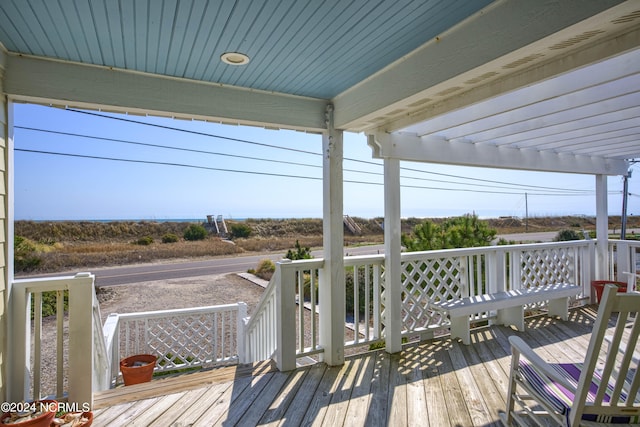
x,y
80,338
260,343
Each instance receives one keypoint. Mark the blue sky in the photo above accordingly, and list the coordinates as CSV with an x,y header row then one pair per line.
x,y
54,187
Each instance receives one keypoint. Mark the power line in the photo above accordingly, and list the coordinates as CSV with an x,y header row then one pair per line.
x,y
149,162
524,186
509,185
168,147
193,132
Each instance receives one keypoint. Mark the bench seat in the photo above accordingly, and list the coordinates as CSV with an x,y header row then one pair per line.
x,y
509,306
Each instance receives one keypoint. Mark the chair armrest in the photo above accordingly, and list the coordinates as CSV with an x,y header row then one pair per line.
x,y
519,347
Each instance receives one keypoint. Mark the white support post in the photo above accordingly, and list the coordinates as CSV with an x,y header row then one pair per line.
x,y
332,285
285,317
20,350
240,332
81,348
602,229
392,250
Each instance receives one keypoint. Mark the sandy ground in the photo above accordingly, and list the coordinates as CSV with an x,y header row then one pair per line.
x,y
178,293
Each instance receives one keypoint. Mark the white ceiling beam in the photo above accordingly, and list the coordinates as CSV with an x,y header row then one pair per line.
x,y
505,29
86,86
432,149
555,109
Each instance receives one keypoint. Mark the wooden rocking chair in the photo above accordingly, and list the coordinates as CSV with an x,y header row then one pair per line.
x,y
601,390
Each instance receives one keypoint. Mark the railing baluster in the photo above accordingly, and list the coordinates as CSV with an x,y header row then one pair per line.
x,y
36,298
59,343
367,303
300,327
313,301
356,305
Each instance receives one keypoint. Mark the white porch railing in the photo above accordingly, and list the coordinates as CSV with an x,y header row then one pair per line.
x,y
426,276
284,325
199,337
624,261
76,340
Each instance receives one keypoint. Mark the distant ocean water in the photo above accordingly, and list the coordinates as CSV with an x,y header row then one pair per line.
x,y
196,220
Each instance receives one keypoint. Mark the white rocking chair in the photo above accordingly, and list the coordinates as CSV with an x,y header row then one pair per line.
x,y
601,390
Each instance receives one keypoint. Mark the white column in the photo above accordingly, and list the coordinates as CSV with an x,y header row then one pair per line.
x,y
392,248
602,229
332,286
6,228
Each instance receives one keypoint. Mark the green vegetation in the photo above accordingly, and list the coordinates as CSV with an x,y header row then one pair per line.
x,y
299,252
458,232
170,238
49,302
25,254
240,230
265,269
567,235
349,291
195,232
144,241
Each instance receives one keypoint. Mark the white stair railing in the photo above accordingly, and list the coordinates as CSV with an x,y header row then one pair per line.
x,y
200,337
26,361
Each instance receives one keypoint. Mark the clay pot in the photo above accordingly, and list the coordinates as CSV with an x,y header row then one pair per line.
x,y
138,368
598,287
42,420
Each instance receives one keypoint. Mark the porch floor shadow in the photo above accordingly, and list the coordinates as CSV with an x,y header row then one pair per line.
x,y
438,382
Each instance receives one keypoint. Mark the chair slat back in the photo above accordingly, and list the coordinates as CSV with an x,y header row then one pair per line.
x,y
614,359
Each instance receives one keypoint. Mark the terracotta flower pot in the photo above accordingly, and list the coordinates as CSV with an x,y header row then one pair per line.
x,y
42,420
138,369
598,287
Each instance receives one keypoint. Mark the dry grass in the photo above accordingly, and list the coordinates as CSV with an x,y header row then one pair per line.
x,y
65,245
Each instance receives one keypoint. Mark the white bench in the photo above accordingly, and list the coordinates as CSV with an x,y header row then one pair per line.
x,y
509,306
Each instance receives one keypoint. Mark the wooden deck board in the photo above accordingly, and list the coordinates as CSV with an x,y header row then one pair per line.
x,y
434,383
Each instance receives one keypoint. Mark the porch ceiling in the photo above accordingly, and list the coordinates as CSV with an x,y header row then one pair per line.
x,y
556,77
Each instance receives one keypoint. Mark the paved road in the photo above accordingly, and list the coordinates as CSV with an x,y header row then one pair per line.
x,y
113,276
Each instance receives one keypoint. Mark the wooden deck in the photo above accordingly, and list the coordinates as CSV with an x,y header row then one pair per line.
x,y
436,383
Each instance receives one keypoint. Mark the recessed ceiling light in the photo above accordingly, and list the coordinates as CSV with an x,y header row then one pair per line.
x,y
234,58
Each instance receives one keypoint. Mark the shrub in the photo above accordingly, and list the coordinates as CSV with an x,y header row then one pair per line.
x,y
49,303
265,269
240,231
195,232
170,238
144,241
300,253
566,235
459,232
25,254
349,291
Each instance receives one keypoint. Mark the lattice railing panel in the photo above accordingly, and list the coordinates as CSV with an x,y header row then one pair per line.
x,y
182,340
428,280
546,266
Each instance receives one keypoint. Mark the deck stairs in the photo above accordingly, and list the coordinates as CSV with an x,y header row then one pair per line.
x,y
351,225
217,224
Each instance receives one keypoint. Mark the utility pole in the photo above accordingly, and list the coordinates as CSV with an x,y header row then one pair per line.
x,y
526,213
625,196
